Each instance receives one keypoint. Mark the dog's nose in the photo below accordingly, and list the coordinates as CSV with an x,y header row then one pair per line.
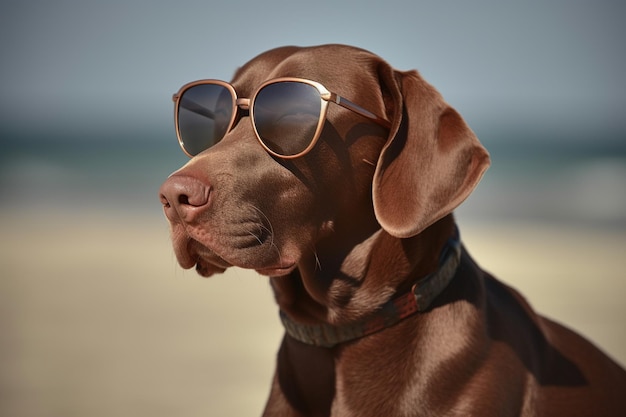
x,y
184,197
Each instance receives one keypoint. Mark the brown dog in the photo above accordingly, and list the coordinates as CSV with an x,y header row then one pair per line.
x,y
385,313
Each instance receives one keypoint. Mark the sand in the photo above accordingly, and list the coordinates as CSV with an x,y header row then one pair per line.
x,y
98,320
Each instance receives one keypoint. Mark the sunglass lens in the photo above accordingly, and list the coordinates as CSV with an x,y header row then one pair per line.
x,y
286,116
204,115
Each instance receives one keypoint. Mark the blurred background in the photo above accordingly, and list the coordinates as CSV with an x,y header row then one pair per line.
x,y
97,319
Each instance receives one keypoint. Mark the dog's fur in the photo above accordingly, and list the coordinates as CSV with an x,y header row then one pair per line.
x,y
344,228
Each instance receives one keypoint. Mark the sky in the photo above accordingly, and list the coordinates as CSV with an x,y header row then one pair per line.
x,y
79,64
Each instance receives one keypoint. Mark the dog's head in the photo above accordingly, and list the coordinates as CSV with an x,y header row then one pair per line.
x,y
236,204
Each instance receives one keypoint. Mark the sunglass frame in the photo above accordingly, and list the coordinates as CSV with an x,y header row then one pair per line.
x,y
326,97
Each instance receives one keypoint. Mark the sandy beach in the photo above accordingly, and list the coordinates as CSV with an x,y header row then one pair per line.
x,y
98,319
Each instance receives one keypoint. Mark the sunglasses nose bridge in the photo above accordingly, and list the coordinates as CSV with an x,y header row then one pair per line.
x,y
243,103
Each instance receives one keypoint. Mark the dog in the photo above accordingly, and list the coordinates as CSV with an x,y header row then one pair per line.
x,y
385,312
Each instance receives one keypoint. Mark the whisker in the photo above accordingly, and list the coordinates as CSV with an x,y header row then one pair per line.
x,y
269,228
258,239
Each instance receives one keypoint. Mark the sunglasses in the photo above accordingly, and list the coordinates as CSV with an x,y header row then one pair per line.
x,y
287,114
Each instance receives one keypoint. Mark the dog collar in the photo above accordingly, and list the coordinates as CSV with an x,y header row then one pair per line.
x,y
422,294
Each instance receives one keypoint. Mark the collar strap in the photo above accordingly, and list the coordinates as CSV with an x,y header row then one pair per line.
x,y
422,294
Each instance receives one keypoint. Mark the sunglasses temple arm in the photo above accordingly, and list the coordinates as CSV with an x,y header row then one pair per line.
x,y
345,103
194,107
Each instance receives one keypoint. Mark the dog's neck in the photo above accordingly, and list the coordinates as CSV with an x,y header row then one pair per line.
x,y
340,292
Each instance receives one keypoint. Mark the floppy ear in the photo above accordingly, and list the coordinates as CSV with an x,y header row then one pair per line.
x,y
431,162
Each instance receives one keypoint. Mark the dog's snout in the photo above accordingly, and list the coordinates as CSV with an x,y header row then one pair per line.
x,y
184,197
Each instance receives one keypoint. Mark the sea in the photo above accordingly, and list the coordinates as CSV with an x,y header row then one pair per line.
x,y
534,176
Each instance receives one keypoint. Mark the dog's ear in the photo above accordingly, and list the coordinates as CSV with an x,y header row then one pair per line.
x,y
431,162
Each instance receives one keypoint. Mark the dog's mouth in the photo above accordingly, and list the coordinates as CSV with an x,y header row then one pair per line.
x,y
207,262
210,259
